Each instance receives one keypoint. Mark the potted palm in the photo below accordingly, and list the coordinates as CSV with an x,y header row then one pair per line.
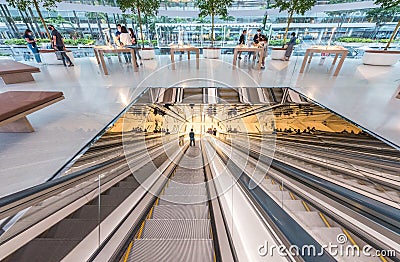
x,y
292,7
140,7
213,8
384,57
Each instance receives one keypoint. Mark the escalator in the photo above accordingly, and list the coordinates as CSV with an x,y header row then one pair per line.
x,y
178,226
60,239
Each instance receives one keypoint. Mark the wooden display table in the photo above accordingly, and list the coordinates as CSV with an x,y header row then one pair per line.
x,y
243,48
337,50
14,72
99,52
185,48
16,105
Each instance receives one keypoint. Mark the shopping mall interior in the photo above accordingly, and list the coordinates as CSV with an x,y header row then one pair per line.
x,y
199,130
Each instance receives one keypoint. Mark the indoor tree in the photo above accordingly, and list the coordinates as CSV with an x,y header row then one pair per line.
x,y
292,7
24,4
139,7
212,8
387,5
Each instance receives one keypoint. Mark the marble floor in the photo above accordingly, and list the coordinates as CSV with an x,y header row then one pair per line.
x,y
363,94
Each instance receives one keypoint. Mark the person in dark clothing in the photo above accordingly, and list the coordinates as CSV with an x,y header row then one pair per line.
x,y
135,44
242,41
214,132
32,45
191,137
290,46
58,45
256,38
118,34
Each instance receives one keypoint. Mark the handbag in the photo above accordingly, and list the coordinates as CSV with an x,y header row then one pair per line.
x,y
58,55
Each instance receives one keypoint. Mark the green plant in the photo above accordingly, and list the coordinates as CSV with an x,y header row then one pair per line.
x,y
15,41
293,7
354,40
361,40
24,4
273,42
387,5
79,41
82,41
146,7
213,8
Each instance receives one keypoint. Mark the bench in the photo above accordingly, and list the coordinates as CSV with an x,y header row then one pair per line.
x,y
14,72
16,105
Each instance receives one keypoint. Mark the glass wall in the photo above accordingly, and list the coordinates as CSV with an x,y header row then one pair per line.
x,y
354,28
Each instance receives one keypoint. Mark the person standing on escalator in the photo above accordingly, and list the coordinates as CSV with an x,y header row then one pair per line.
x,y
191,137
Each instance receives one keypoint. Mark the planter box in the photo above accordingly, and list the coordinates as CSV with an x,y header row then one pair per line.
x,y
212,52
380,57
278,53
49,57
147,53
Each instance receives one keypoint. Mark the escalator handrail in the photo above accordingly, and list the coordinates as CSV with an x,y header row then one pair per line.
x,y
20,200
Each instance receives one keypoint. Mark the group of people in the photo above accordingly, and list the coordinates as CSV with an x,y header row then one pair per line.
x,y
127,38
57,42
260,40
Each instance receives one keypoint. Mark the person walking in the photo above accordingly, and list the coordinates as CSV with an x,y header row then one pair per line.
x,y
57,42
290,47
32,45
191,137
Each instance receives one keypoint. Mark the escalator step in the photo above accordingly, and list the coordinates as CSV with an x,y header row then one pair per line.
x,y
310,219
200,250
177,229
182,200
184,190
180,212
